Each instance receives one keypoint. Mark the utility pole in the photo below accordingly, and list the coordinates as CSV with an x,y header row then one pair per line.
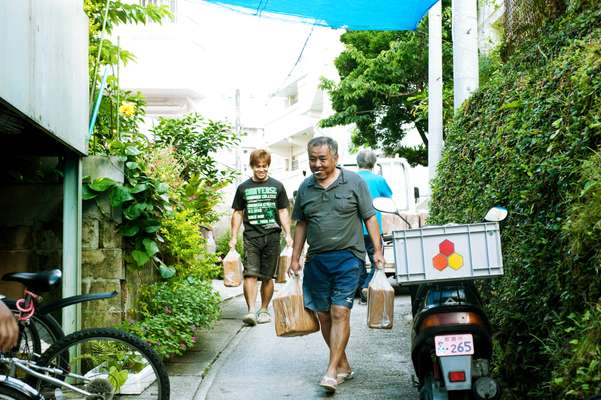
x,y
465,50
238,129
435,116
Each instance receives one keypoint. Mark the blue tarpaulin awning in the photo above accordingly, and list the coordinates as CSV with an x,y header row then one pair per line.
x,y
350,14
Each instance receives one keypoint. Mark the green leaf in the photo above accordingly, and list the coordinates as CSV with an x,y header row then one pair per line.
x,y
120,195
132,165
140,187
166,272
134,211
86,193
129,230
152,228
150,246
511,105
102,184
162,187
140,257
132,151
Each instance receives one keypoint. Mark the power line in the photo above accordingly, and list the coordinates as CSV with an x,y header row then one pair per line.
x,y
300,56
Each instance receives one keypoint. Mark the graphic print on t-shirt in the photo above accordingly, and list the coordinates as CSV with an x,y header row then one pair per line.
x,y
260,206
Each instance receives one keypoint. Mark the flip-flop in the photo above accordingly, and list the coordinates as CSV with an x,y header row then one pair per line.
x,y
250,319
344,376
263,317
329,384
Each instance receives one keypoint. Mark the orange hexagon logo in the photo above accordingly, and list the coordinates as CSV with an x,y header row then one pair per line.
x,y
447,256
439,262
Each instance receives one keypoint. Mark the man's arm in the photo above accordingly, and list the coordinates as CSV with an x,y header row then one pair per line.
x,y
300,234
373,229
285,222
9,332
235,226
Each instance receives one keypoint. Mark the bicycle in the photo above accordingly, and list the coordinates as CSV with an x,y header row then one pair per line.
x,y
97,363
48,329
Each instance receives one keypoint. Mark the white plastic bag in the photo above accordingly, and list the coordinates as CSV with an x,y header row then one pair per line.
x,y
232,269
291,316
283,264
380,301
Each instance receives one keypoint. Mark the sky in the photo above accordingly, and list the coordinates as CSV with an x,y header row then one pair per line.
x,y
214,51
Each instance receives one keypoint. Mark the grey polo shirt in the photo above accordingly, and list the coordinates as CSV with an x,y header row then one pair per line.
x,y
334,215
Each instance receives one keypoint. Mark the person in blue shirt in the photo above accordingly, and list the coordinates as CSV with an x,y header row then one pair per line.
x,y
366,160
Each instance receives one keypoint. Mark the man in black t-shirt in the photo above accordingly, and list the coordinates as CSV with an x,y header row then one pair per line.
x,y
261,202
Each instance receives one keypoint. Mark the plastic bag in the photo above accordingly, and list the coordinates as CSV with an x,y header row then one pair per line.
x,y
283,264
291,316
380,301
232,269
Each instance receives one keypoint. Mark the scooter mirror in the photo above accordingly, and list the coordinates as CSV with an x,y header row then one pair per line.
x,y
496,214
385,205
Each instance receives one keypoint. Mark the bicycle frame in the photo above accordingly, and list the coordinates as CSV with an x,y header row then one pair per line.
x,y
30,368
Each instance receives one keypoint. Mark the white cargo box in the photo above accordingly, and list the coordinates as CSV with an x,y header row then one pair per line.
x,y
448,252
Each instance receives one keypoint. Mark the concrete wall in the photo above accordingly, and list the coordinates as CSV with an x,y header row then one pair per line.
x,y
44,71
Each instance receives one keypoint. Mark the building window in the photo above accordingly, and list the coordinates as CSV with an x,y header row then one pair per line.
x,y
294,164
292,99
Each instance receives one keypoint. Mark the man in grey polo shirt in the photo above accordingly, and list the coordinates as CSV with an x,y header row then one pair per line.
x,y
329,208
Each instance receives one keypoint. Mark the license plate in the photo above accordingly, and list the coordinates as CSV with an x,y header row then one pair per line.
x,y
454,345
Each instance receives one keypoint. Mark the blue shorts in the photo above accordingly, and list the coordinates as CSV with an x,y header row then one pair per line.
x,y
331,279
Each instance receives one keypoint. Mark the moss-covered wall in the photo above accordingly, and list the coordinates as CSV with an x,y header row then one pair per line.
x,y
525,141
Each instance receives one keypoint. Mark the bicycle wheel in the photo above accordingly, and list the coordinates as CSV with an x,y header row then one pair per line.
x,y
9,393
106,363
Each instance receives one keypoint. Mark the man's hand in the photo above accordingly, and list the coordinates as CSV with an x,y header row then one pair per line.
x,y
289,240
9,332
294,268
379,259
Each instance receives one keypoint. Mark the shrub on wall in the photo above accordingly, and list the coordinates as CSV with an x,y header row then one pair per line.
x,y
523,141
170,315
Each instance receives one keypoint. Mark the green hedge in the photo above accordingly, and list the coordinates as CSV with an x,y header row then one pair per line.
x,y
527,140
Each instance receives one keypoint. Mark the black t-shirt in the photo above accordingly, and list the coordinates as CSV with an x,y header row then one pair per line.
x,y
260,202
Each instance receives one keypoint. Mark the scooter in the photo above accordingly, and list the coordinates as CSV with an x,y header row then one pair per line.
x,y
451,337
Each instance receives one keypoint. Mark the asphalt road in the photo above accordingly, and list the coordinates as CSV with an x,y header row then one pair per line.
x,y
259,365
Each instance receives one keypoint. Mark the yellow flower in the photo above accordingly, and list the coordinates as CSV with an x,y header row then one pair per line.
x,y
128,109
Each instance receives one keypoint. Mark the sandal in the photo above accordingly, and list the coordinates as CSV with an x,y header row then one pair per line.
x,y
344,376
263,317
329,384
250,319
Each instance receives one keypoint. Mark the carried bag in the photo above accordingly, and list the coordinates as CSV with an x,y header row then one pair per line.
x,y
291,316
380,301
232,269
283,264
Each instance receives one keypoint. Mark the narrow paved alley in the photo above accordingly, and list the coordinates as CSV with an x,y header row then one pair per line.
x,y
259,365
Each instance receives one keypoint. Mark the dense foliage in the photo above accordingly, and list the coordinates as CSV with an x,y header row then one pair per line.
x,y
528,140
194,140
120,110
383,87
171,315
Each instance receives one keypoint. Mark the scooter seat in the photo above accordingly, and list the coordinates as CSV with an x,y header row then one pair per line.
x,y
38,282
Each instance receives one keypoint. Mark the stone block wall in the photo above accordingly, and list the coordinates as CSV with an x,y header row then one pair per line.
x,y
30,232
102,266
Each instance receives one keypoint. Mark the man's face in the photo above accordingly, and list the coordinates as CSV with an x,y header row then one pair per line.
x,y
322,162
260,170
